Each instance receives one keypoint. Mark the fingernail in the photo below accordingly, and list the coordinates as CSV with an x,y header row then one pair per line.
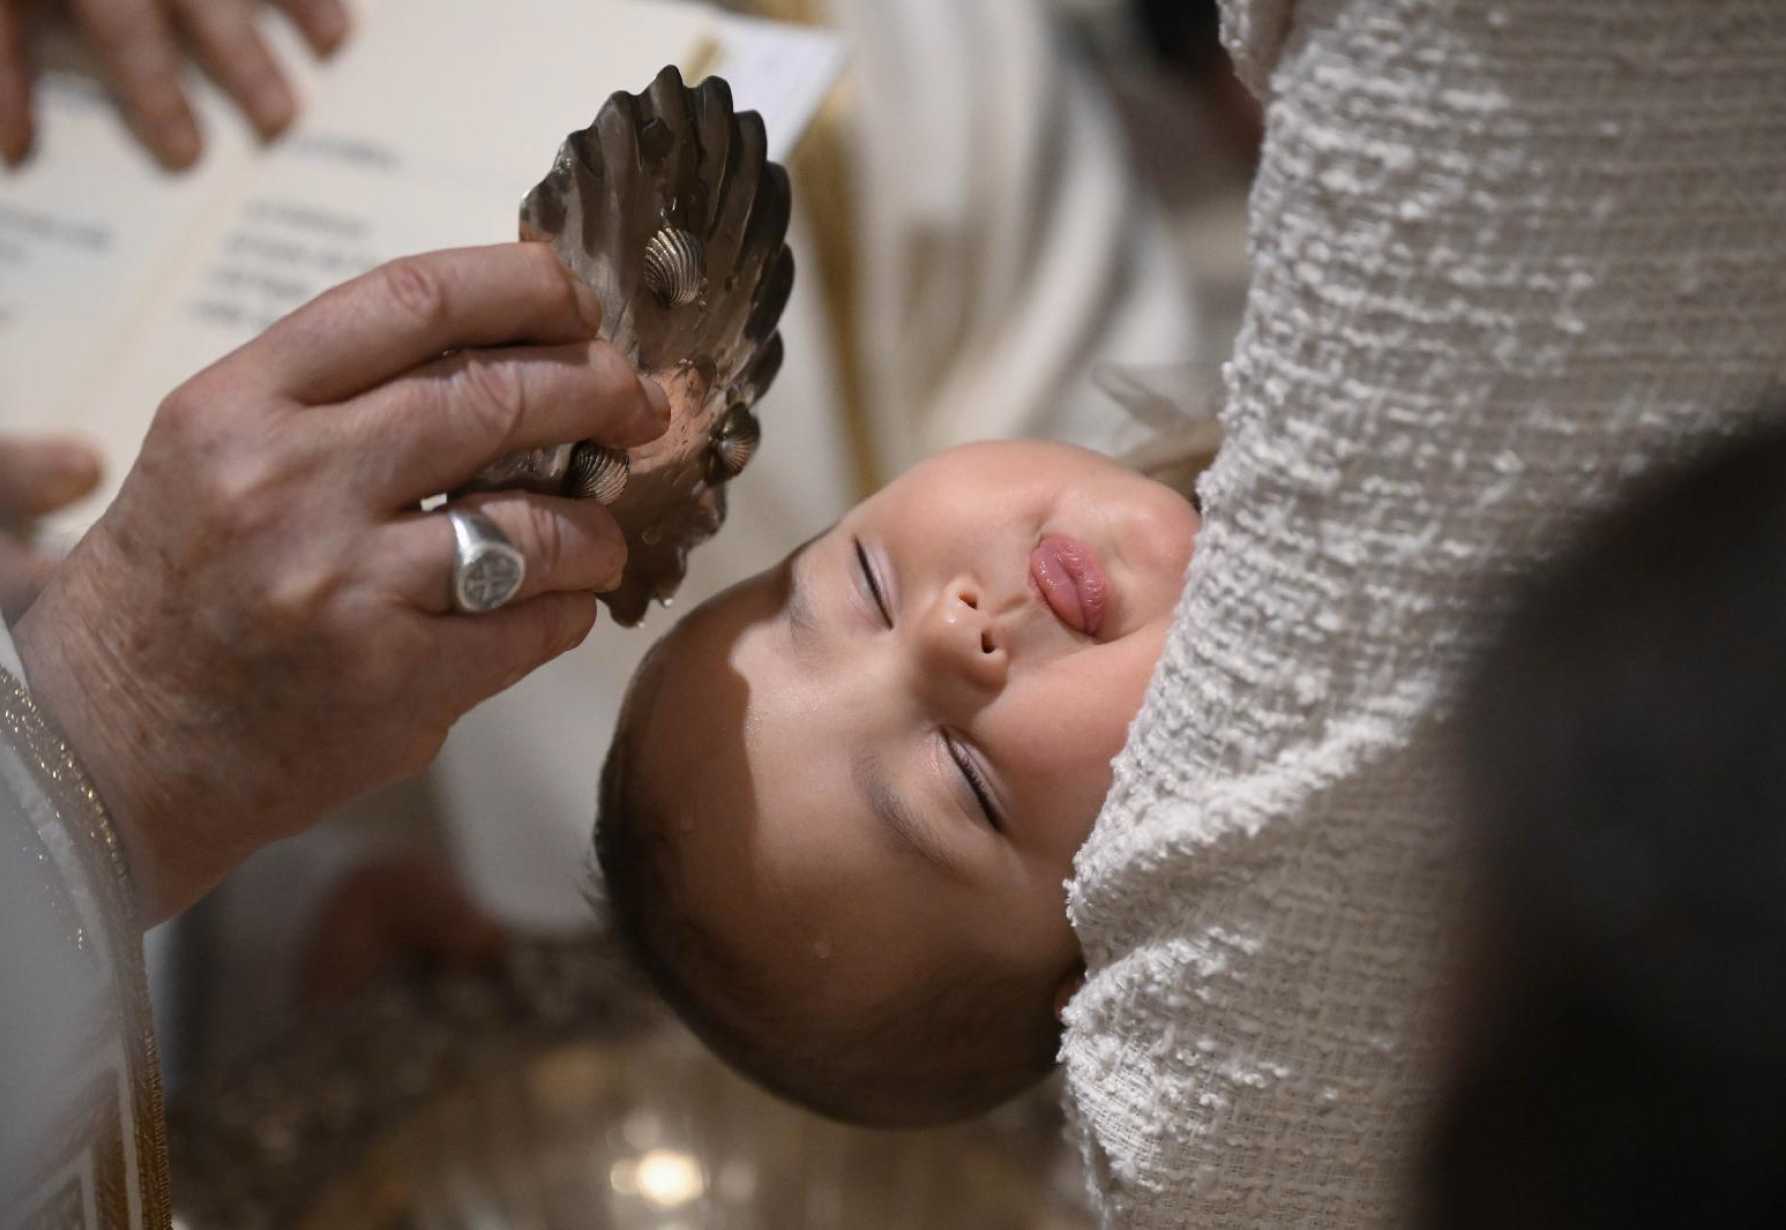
x,y
660,400
650,419
15,141
588,306
330,26
180,146
579,620
616,571
274,107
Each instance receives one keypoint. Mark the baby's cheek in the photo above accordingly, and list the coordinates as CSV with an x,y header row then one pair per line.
x,y
1059,758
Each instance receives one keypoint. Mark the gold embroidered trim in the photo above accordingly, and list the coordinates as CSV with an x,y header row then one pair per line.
x,y
79,807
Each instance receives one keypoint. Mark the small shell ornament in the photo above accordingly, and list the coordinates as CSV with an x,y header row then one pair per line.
x,y
675,267
598,473
669,208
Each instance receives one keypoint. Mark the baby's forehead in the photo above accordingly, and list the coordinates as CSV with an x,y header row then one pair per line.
x,y
685,712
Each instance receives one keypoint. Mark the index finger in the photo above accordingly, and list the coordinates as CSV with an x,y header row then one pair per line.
x,y
365,332
136,44
15,86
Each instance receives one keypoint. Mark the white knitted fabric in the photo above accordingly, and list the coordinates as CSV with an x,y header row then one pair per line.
x,y
1506,253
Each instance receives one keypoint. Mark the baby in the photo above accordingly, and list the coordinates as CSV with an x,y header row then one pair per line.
x,y
845,794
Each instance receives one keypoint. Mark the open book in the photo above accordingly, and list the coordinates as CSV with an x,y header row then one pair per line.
x,y
117,281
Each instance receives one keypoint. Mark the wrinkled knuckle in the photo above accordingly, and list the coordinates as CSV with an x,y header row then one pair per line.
x,y
298,595
415,292
181,409
297,600
248,489
546,541
495,396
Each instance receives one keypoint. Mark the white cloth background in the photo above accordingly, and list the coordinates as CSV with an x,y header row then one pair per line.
x,y
1006,246
1506,253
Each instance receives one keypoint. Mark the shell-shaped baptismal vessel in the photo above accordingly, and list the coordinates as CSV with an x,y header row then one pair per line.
x,y
668,206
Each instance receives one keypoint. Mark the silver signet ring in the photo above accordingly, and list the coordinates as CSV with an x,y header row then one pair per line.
x,y
487,569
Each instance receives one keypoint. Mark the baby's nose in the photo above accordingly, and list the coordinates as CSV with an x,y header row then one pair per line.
x,y
960,642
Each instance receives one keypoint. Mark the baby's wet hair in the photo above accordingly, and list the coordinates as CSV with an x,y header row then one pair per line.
x,y
954,1047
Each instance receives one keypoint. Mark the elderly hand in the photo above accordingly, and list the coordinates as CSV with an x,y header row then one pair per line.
x,y
37,477
260,626
138,45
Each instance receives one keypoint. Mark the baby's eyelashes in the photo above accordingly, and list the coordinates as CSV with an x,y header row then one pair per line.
x,y
876,589
976,780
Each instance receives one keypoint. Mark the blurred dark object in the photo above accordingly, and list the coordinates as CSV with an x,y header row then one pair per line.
x,y
547,1090
667,207
1186,36
1622,1060
399,909
1184,33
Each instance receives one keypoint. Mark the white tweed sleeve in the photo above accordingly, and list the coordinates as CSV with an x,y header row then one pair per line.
x,y
1506,254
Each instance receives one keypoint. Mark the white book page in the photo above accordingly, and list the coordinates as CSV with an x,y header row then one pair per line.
x,y
424,132
88,230
782,72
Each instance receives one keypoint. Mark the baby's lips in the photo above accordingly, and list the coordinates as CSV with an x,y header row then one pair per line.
x,y
1072,581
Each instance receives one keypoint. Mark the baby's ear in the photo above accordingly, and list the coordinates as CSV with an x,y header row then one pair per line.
x,y
1069,986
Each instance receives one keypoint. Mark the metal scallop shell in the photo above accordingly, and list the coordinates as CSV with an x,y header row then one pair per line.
x,y
739,436
597,473
670,209
675,266
709,512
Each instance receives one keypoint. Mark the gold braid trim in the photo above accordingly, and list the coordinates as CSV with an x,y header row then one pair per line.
x,y
77,804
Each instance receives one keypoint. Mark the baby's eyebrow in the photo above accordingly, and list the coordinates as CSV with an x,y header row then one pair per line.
x,y
802,614
915,831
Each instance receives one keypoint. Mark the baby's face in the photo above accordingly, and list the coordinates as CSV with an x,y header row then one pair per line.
x,y
883,754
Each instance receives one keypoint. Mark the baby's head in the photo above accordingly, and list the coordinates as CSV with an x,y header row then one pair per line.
x,y
845,795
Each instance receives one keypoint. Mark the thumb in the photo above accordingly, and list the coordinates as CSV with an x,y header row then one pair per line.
x,y
38,475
